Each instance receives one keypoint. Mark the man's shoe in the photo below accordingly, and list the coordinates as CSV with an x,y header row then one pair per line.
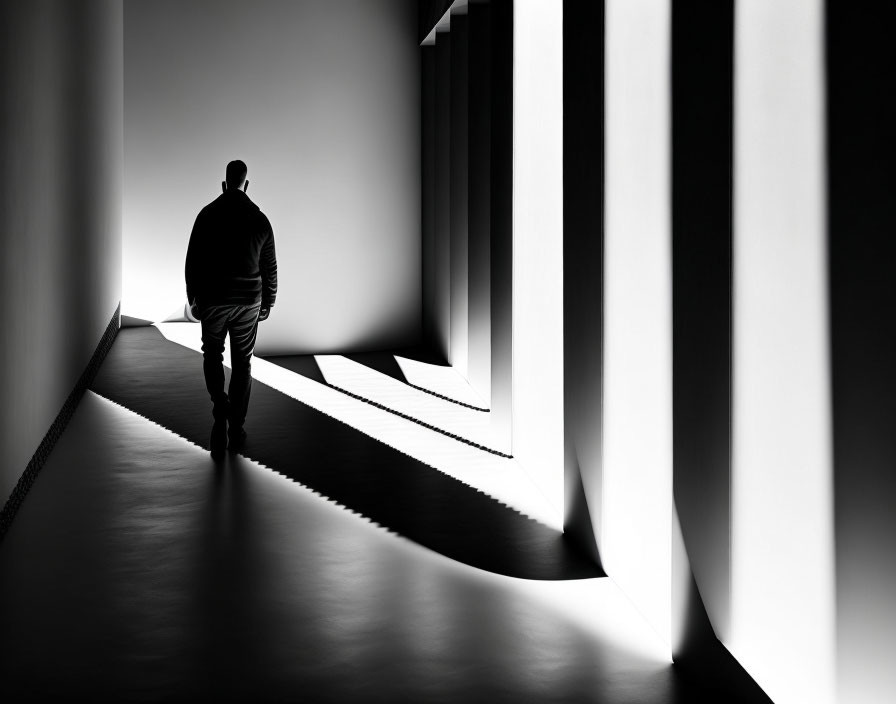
x,y
218,441
237,438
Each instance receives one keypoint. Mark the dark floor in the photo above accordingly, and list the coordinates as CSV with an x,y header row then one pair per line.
x,y
140,570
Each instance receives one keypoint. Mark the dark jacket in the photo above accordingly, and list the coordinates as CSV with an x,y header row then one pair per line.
x,y
231,257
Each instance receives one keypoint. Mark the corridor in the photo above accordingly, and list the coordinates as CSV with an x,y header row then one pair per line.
x,y
579,385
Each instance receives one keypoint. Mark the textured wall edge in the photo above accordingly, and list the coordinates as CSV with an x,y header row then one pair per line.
x,y
40,456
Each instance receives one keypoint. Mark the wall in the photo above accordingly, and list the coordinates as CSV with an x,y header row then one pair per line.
x,y
782,602
459,192
501,240
637,386
861,151
428,192
480,197
493,220
441,314
702,104
60,174
583,222
467,157
321,98
537,410
702,63
782,335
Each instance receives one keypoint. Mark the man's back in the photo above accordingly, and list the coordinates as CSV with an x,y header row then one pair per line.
x,y
231,256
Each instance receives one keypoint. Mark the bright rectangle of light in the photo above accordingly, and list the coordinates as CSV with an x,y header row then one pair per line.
x,y
637,464
370,384
537,319
782,519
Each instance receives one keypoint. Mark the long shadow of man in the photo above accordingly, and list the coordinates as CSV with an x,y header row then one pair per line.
x,y
231,276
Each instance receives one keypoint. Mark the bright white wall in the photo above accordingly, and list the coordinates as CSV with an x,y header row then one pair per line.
x,y
782,541
637,463
321,99
537,416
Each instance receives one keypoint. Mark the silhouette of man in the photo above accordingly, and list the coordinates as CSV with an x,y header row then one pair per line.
x,y
231,275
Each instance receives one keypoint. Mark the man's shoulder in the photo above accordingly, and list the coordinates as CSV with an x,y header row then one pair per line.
x,y
211,207
260,217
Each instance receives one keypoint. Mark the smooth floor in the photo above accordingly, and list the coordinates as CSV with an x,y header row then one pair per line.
x,y
138,569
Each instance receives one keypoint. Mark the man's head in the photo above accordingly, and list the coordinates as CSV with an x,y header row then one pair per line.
x,y
236,176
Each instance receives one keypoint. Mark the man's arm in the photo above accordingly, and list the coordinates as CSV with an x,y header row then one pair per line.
x,y
268,266
193,264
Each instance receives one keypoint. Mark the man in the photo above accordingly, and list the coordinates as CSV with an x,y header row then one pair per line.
x,y
231,274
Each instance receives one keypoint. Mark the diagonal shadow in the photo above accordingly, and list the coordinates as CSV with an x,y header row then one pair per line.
x,y
163,381
381,362
303,364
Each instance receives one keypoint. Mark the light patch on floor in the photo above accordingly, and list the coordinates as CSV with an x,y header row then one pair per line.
x,y
356,378
441,380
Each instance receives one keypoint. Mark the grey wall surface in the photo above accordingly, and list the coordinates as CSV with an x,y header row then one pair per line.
x,y
321,98
60,174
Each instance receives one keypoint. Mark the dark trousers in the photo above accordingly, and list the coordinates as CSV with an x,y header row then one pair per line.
x,y
241,322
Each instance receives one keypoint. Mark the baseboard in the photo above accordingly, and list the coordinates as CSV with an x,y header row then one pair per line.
x,y
49,441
